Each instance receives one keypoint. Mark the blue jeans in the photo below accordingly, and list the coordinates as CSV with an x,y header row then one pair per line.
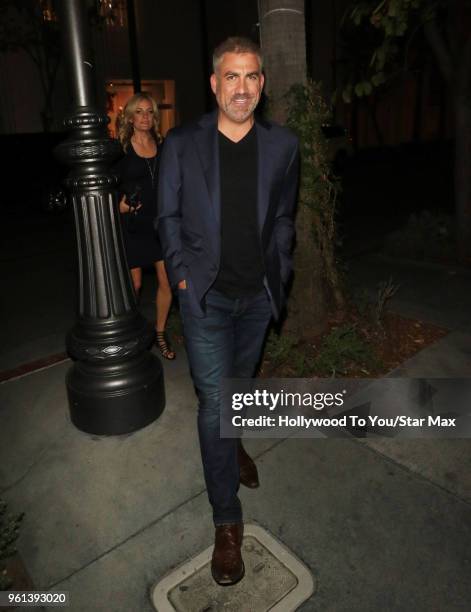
x,y
226,343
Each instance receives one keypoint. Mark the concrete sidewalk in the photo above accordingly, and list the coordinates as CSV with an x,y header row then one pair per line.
x,y
383,524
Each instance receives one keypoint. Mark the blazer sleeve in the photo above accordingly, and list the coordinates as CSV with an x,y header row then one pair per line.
x,y
284,220
169,216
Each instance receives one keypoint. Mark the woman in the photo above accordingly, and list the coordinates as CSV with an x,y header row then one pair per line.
x,y
137,171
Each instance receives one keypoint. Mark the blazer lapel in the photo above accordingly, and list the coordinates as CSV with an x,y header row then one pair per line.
x,y
264,171
206,139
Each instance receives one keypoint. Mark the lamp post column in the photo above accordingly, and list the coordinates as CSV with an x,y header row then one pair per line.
x,y
115,385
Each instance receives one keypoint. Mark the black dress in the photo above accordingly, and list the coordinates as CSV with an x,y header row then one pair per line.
x,y
136,182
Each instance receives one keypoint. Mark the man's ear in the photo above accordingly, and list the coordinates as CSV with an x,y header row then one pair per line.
x,y
262,80
213,81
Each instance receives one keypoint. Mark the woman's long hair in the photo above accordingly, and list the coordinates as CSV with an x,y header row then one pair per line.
x,y
125,127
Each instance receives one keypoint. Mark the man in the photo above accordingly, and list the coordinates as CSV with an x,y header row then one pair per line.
x,y
227,193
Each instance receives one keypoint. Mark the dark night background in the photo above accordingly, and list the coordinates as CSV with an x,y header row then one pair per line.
x,y
382,523
393,151
397,163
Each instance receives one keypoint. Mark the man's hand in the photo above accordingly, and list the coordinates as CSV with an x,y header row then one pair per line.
x,y
182,284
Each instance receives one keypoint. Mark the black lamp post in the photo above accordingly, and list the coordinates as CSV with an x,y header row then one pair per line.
x,y
133,48
115,385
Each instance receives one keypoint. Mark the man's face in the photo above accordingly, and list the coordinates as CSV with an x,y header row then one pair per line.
x,y
238,84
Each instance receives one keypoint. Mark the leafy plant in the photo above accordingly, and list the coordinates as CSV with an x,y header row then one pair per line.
x,y
386,290
284,350
314,257
391,27
373,311
388,27
279,347
9,531
342,346
308,112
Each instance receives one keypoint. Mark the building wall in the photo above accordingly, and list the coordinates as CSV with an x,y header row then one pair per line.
x,y
175,41
21,95
170,47
412,107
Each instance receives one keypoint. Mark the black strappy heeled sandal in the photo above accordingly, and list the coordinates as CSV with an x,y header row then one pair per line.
x,y
164,346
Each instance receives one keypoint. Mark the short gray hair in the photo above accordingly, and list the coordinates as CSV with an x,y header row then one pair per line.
x,y
236,44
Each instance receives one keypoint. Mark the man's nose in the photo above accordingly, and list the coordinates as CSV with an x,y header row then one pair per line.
x,y
242,86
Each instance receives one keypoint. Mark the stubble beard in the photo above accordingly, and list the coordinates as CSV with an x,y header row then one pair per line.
x,y
239,115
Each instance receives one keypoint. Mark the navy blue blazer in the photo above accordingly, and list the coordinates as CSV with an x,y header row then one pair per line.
x,y
190,208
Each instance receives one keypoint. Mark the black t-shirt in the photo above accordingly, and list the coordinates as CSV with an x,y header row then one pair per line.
x,y
241,268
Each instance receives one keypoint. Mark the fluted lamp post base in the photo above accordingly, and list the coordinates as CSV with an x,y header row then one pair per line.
x,y
107,399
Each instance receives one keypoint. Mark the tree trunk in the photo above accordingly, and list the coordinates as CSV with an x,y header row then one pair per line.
x,y
307,306
458,77
463,176
462,103
283,42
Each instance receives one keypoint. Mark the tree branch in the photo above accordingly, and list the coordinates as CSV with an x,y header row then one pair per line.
x,y
442,53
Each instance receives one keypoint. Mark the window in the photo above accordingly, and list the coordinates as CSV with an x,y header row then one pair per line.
x,y
119,91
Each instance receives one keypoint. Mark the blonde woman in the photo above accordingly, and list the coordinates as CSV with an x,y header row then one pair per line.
x,y
137,170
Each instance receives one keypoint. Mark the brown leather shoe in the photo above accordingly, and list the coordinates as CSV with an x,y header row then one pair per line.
x,y
248,474
227,566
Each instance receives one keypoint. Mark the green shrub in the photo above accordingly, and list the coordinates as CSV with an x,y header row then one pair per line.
x,y
340,348
9,531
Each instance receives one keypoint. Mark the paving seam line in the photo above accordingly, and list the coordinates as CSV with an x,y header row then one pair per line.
x,y
411,472
142,529
31,367
390,460
127,539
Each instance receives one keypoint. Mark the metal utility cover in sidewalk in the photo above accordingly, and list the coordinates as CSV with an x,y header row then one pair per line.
x,y
274,580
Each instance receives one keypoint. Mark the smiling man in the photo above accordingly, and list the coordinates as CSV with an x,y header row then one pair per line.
x,y
227,192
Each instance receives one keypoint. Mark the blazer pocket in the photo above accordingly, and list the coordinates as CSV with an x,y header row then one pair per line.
x,y
190,255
